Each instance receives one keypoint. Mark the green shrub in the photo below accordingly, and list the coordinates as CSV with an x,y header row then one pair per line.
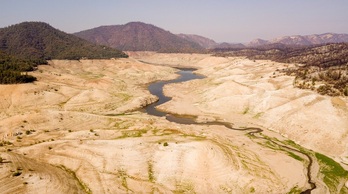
x,y
17,173
345,92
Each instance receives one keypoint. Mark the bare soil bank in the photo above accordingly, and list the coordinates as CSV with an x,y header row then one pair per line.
x,y
78,129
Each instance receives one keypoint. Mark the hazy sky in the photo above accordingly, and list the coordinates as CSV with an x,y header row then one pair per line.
x,y
220,20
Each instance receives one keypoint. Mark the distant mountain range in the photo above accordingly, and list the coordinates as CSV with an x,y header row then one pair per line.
x,y
38,40
303,40
138,36
209,43
297,40
307,40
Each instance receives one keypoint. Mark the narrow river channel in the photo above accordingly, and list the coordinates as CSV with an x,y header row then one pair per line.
x,y
187,74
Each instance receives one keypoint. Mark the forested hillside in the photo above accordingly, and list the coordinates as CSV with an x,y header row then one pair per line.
x,y
38,40
11,69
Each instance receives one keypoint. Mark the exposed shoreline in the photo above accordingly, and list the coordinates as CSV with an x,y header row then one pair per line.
x,y
75,118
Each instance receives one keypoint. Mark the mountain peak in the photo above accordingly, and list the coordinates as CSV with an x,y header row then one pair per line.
x,y
137,23
29,23
138,36
257,42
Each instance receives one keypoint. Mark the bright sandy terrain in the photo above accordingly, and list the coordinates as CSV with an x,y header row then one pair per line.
x,y
78,129
257,92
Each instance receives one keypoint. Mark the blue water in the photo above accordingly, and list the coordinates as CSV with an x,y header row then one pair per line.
x,y
156,89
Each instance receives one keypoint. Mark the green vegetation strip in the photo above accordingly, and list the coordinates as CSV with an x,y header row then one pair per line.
x,y
334,173
151,172
81,184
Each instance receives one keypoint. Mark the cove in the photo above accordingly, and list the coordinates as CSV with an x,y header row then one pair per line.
x,y
156,89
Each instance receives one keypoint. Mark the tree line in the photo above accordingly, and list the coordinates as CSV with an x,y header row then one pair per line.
x,y
14,70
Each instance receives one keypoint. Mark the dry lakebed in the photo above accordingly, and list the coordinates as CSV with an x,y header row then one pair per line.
x,y
240,127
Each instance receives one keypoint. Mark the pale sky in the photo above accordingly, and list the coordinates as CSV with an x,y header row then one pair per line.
x,y
220,20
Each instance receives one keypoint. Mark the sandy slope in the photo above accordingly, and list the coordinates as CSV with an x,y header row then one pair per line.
x,y
75,137
240,89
